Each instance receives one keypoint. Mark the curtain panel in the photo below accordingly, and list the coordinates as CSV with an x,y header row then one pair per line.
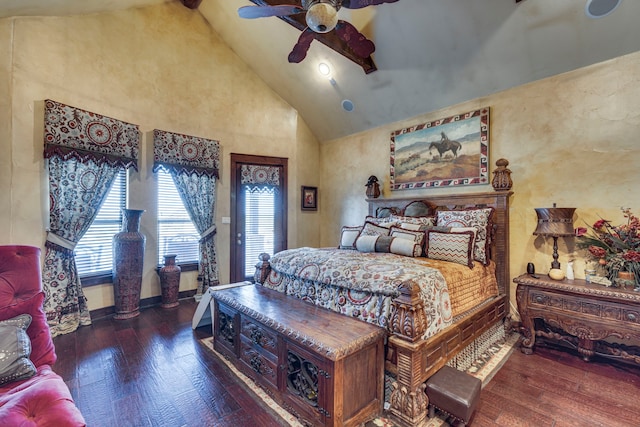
x,y
84,152
194,164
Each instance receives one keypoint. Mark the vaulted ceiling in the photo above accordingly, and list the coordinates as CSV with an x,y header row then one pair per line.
x,y
429,53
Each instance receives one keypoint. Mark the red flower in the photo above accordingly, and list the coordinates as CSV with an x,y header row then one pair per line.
x,y
580,231
597,251
600,223
631,256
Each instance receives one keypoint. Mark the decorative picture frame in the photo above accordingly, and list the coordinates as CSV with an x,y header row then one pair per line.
x,y
446,152
309,198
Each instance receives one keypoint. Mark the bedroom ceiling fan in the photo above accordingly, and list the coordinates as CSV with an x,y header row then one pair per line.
x,y
317,19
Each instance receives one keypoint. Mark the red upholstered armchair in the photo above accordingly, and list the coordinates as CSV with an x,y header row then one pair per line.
x,y
31,394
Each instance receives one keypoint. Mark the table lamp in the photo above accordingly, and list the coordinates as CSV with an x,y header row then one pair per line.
x,y
555,222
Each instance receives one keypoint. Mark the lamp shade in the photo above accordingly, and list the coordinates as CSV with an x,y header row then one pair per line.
x,y
555,222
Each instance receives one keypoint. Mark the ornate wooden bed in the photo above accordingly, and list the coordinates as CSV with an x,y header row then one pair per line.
x,y
412,359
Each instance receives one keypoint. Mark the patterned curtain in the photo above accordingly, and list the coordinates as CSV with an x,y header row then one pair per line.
x,y
84,153
194,164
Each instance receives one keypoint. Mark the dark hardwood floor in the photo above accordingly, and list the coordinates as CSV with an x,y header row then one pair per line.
x,y
151,371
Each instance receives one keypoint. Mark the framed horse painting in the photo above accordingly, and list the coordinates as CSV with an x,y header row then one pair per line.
x,y
445,152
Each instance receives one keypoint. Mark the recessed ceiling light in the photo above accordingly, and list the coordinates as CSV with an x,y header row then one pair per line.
x,y
600,8
347,105
324,69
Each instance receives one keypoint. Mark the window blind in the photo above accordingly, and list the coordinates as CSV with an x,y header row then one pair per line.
x,y
176,232
259,225
94,253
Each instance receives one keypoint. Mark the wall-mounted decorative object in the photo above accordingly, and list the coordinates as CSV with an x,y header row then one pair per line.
x,y
128,258
373,188
446,152
309,198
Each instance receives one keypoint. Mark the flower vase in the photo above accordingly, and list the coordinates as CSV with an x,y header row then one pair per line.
x,y
626,279
128,258
170,282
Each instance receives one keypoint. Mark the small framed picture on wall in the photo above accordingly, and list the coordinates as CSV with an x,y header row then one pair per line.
x,y
309,198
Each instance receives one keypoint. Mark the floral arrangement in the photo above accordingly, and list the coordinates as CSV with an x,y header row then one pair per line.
x,y
614,247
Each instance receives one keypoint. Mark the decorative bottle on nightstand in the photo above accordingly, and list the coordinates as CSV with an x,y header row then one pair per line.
x,y
570,274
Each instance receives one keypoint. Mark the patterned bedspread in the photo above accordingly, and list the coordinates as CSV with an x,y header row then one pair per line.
x,y
358,284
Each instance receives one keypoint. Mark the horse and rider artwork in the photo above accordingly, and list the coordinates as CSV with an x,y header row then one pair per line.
x,y
446,152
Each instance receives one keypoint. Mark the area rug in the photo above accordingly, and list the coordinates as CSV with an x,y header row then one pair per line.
x,y
485,367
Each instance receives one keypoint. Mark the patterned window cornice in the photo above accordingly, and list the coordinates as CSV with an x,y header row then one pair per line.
x,y
185,153
71,132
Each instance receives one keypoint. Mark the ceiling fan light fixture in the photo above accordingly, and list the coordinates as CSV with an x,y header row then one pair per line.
x,y
322,17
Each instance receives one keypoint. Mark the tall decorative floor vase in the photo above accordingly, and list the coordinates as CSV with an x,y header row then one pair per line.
x,y
128,257
170,282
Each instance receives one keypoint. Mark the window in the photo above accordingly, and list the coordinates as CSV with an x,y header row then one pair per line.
x,y
176,232
259,225
94,253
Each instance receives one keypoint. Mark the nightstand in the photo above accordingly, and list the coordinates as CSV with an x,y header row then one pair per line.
x,y
580,314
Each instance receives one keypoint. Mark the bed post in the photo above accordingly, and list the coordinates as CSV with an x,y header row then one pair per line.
x,y
408,324
263,267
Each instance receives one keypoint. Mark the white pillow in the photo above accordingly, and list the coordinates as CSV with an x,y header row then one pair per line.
x,y
348,236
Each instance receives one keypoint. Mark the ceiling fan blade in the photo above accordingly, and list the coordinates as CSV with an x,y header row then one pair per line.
x,y
251,12
299,51
359,44
359,4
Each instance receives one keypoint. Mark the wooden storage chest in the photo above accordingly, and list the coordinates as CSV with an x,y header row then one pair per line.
x,y
326,368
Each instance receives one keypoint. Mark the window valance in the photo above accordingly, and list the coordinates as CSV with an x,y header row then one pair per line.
x,y
260,175
71,132
184,153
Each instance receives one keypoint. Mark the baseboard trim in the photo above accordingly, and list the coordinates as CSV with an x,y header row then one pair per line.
x,y
144,303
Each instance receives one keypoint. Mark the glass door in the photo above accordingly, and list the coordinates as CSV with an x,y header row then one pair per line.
x,y
258,211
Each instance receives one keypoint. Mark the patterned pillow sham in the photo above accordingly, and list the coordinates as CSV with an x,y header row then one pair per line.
x,y
394,245
480,219
348,236
450,246
419,220
384,222
372,229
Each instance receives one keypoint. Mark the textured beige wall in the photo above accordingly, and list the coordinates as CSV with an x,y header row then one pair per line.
x,y
6,146
158,67
570,139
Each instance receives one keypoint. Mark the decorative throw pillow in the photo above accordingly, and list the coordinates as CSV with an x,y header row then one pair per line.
x,y
371,229
416,236
454,247
388,244
15,348
42,350
480,219
348,236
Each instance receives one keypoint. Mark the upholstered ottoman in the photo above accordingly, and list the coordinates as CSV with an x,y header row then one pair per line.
x,y
453,392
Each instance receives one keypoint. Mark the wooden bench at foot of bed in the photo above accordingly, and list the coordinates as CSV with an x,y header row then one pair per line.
x,y
326,368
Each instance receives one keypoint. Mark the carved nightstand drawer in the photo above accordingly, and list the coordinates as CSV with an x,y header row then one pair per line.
x,y
257,334
583,306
